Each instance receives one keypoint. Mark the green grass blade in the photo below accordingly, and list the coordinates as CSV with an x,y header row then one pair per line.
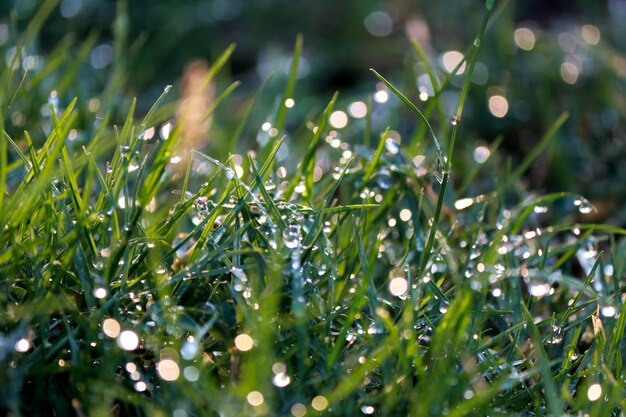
x,y
551,395
291,84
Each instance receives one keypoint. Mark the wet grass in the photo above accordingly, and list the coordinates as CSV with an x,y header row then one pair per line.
x,y
342,278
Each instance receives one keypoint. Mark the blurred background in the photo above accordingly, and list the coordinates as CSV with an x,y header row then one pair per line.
x,y
538,60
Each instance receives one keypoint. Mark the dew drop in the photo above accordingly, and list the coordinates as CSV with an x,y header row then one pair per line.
x,y
319,403
594,392
608,311
191,373
398,286
291,236
384,179
168,370
557,335
189,350
244,342
255,398
584,205
128,340
111,328
22,345
298,410
99,292
391,146
281,380
539,289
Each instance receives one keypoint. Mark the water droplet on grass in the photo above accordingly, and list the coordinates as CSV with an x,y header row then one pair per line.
x,y
367,409
128,340
291,236
557,335
608,311
168,370
398,286
22,345
584,205
189,350
384,179
255,398
99,292
191,373
594,392
539,289
391,146
281,380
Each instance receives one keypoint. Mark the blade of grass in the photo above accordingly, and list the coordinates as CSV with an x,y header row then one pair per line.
x,y
536,151
291,83
551,395
309,158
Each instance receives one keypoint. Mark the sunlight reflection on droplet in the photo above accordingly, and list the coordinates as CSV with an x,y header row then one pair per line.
x,y
100,292
381,96
451,59
244,342
498,106
481,154
279,368
191,373
298,410
318,173
525,39
22,345
168,370
165,130
93,105
594,392
320,403
180,413
281,380
266,126
111,328
591,34
463,203
405,215
255,398
140,386
148,133
608,311
358,109
539,290
569,72
338,119
289,103
379,24
128,340
398,286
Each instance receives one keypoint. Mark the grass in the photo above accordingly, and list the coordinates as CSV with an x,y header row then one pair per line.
x,y
139,278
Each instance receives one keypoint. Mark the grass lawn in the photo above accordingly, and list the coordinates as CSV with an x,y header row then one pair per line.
x,y
312,267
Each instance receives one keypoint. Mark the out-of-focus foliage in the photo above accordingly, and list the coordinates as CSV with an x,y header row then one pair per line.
x,y
571,58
